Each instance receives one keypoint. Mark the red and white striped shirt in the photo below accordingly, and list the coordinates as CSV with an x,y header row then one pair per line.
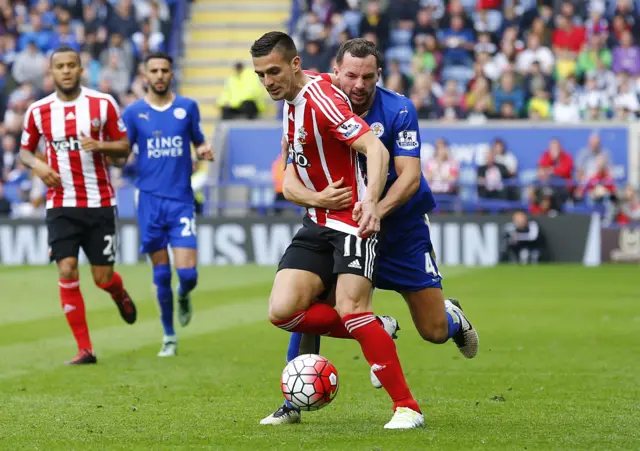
x,y
320,127
85,175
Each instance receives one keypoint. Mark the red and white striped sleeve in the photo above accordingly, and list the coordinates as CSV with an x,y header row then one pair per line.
x,y
115,127
30,133
336,117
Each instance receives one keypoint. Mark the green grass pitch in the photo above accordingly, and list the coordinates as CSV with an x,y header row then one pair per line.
x,y
557,369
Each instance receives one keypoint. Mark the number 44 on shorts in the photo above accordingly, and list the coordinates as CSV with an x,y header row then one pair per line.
x,y
430,265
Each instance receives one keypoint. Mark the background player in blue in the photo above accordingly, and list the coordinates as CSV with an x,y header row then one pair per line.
x,y
407,262
163,125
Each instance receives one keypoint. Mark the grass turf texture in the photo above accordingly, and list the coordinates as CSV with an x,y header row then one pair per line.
x,y
557,368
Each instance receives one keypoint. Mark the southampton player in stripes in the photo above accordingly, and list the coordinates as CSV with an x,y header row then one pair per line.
x,y
81,128
407,263
163,125
324,138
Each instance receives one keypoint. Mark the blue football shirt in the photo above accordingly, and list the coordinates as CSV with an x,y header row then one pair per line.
x,y
163,137
394,120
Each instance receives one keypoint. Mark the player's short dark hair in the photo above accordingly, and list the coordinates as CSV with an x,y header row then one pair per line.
x,y
274,41
65,49
359,48
159,55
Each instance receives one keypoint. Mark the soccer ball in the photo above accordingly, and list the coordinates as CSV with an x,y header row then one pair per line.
x,y
309,382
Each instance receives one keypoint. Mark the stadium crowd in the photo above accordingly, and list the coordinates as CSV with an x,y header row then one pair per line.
x,y
475,60
459,61
112,36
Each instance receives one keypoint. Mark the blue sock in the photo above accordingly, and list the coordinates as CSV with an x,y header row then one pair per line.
x,y
162,281
294,346
292,352
188,280
454,323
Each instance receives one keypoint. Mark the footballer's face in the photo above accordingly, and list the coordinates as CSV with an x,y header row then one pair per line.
x,y
358,78
159,75
66,71
277,74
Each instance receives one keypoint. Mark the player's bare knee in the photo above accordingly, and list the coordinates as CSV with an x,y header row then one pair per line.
x,y
435,331
67,270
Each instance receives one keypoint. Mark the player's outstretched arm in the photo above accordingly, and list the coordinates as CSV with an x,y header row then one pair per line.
x,y
333,197
41,169
405,186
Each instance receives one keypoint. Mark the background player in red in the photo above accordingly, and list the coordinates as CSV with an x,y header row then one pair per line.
x,y
324,136
81,128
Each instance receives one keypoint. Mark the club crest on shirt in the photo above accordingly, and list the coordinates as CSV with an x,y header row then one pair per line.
x,y
95,124
377,128
180,113
302,136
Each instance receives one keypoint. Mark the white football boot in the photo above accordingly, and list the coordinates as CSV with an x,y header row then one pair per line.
x,y
405,418
169,347
283,415
467,338
391,325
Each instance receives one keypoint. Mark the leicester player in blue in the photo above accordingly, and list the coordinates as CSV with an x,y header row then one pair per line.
x,y
407,262
163,125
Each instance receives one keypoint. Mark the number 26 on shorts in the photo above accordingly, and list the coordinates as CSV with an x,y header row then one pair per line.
x,y
188,226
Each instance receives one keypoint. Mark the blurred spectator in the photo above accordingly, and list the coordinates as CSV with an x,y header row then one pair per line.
x,y
543,201
555,171
424,95
509,161
600,186
629,206
425,26
586,159
122,19
5,205
377,22
594,101
458,43
64,36
33,32
567,35
154,39
522,240
427,56
491,178
507,91
591,54
539,107
535,53
396,80
565,110
479,93
30,65
314,57
537,80
116,74
626,57
442,171
242,96
556,163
